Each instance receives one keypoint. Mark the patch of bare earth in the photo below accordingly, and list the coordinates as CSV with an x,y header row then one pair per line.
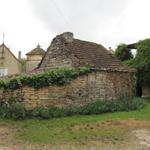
x,y
137,137
7,141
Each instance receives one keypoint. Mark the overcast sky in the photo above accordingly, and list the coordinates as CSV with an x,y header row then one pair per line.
x,y
109,22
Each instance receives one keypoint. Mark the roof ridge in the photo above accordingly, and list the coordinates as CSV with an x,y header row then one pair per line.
x,y
37,50
85,52
10,52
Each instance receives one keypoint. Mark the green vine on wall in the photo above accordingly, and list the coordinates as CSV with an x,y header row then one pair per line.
x,y
58,76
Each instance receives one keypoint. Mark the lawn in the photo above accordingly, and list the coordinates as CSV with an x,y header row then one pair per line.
x,y
76,128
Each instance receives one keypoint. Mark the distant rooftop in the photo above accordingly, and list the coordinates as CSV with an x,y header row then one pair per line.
x,y
36,51
132,46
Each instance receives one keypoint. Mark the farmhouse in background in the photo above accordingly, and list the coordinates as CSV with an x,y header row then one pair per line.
x,y
34,57
9,64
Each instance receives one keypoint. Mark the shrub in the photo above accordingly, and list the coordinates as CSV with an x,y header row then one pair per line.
x,y
131,104
14,83
4,111
18,111
136,104
84,70
12,110
44,113
35,112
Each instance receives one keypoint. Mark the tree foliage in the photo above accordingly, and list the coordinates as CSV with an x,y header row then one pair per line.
x,y
23,62
123,53
142,61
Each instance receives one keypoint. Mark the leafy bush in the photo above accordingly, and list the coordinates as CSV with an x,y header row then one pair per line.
x,y
59,76
99,107
44,113
14,83
35,112
136,104
141,62
18,111
12,110
4,111
131,104
84,70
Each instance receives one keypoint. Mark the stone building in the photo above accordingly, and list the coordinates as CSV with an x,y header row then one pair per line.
x,y
109,79
34,57
65,51
9,64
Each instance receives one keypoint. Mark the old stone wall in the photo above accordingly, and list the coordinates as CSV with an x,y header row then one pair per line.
x,y
99,85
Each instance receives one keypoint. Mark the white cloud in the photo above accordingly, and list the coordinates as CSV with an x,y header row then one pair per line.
x,y
109,22
22,30
134,24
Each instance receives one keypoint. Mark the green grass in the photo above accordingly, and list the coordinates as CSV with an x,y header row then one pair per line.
x,y
74,128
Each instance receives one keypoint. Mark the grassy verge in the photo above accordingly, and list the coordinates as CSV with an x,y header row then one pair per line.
x,y
75,128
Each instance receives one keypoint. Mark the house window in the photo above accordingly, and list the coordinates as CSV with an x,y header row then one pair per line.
x,y
3,71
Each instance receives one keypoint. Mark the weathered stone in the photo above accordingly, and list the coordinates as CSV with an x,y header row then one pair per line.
x,y
99,85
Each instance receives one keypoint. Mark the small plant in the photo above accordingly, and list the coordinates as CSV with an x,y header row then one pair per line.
x,y
17,111
4,110
44,113
84,70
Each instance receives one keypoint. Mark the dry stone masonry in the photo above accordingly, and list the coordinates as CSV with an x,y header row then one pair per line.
x,y
110,80
99,85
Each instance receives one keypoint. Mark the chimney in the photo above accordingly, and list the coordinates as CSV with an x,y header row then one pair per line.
x,y
111,50
19,55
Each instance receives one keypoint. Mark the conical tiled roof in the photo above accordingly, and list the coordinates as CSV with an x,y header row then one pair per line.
x,y
36,51
85,52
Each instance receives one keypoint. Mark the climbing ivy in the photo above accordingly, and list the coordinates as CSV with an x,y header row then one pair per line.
x,y
59,76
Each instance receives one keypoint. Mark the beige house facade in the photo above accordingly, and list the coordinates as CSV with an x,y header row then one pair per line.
x,y
9,64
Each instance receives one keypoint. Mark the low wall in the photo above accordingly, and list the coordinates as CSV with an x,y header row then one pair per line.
x,y
103,85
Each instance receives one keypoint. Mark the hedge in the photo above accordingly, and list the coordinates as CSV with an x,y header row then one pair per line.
x,y
17,111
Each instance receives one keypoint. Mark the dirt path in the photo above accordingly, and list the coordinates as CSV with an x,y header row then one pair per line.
x,y
138,139
143,136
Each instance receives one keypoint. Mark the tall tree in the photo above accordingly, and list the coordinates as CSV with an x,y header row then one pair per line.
x,y
142,64
142,61
123,53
